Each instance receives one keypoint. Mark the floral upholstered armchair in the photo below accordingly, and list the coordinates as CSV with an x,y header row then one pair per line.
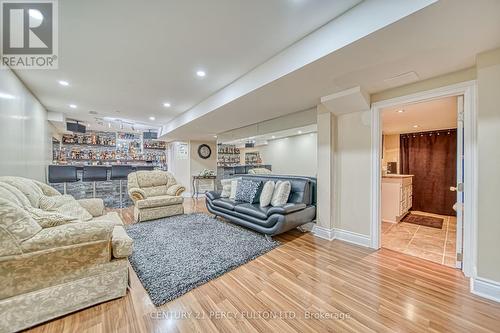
x,y
57,254
155,194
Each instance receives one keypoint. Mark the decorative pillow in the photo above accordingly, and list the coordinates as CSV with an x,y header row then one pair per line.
x,y
267,194
234,186
281,193
66,205
48,219
248,191
226,188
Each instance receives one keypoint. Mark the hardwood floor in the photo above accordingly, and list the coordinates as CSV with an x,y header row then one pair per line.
x,y
305,285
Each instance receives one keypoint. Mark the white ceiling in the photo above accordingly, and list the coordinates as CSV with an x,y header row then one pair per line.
x,y
429,115
438,39
265,138
124,59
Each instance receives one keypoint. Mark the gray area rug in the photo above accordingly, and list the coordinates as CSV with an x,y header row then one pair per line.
x,y
176,254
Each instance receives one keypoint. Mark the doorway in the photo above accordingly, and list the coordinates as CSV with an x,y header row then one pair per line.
x,y
419,179
465,189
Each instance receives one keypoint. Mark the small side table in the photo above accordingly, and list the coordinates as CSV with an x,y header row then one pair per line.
x,y
196,184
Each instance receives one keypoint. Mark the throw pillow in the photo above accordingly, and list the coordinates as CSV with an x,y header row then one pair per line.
x,y
267,194
281,194
66,205
15,224
248,191
226,188
48,219
234,186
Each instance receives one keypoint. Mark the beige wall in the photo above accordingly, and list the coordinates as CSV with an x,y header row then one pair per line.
x,y
185,168
488,79
198,163
326,177
25,142
391,150
352,158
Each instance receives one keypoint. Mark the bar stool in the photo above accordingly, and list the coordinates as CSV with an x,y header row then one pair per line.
x,y
94,174
144,167
62,174
120,172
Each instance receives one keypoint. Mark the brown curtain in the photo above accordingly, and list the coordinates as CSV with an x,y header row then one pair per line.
x,y
432,158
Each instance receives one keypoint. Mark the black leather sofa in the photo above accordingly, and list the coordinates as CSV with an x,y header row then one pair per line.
x,y
300,208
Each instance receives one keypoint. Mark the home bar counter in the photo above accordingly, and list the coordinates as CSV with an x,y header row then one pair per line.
x,y
108,190
104,149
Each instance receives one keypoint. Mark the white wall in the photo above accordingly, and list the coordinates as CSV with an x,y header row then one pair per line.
x,y
25,141
179,167
295,155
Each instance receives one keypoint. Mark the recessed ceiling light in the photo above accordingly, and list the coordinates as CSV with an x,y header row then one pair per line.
x,y
63,83
35,13
300,132
273,137
73,106
401,111
152,118
201,73
215,136
166,104
6,96
415,126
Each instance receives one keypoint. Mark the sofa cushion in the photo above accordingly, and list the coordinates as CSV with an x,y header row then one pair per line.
x,y
17,222
286,209
248,191
48,219
12,194
225,203
66,205
159,201
152,178
253,210
113,218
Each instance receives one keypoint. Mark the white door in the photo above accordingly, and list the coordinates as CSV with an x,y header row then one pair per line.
x,y
459,207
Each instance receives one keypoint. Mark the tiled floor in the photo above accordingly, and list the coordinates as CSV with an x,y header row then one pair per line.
x,y
437,245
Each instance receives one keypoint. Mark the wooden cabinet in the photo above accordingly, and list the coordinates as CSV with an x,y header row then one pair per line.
x,y
397,197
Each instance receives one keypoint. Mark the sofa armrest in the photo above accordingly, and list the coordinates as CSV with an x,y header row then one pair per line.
x,y
176,190
212,195
94,206
136,194
286,209
71,234
122,243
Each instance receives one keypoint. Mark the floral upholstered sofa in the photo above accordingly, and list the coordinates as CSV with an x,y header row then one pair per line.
x,y
51,262
155,194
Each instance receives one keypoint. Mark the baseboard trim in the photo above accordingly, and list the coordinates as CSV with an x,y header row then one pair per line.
x,y
322,232
352,237
343,235
486,288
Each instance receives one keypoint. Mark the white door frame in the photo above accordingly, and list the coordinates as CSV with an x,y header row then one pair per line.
x,y
468,90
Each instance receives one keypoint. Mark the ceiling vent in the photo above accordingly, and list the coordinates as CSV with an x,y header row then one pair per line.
x,y
401,79
93,112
